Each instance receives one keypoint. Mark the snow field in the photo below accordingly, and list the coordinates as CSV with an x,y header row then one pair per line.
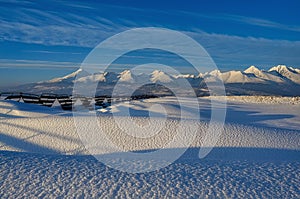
x,y
256,156
30,175
260,99
58,135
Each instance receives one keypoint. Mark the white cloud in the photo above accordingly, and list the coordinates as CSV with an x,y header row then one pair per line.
x,y
261,22
243,20
52,52
36,64
29,25
233,51
51,28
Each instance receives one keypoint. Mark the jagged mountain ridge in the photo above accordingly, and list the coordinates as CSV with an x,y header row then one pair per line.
x,y
290,73
264,75
278,80
279,74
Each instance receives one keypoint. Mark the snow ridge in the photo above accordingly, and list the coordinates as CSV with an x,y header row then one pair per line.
x,y
287,72
277,74
279,80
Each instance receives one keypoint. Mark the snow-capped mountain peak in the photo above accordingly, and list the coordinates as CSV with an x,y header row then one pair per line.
x,y
295,69
238,77
279,80
160,76
230,77
279,68
98,77
252,69
70,76
215,73
287,72
263,75
283,68
126,76
200,75
186,76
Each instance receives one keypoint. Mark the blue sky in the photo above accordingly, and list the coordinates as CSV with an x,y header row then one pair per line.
x,y
42,40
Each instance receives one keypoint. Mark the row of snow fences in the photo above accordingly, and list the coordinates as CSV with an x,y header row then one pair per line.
x,y
67,101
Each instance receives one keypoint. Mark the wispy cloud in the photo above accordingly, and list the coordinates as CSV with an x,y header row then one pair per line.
x,y
29,24
52,52
54,34
36,64
234,51
84,26
260,22
242,20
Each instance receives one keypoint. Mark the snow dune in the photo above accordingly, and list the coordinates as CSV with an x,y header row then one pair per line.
x,y
58,136
256,156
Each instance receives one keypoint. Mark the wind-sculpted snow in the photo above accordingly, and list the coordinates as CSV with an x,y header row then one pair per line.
x,y
33,175
257,155
261,99
58,135
54,130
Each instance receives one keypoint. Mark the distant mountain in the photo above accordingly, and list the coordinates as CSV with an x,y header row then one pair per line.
x,y
126,76
185,76
98,77
279,80
287,72
160,77
264,75
69,77
232,77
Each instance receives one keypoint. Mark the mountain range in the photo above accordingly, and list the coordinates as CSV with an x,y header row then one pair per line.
x,y
279,80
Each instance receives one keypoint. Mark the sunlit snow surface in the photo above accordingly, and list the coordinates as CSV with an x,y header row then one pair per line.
x,y
256,156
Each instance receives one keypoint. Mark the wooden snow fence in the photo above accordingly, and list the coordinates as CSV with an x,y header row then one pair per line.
x,y
67,102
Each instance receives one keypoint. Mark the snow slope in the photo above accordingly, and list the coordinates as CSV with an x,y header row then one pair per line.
x,y
256,156
263,75
126,76
99,77
287,72
69,77
231,77
159,76
238,77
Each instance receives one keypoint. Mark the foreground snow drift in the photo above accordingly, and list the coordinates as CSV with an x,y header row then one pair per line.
x,y
32,175
56,135
257,155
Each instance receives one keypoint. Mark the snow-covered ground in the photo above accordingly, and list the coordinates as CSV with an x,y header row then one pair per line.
x,y
257,155
261,99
